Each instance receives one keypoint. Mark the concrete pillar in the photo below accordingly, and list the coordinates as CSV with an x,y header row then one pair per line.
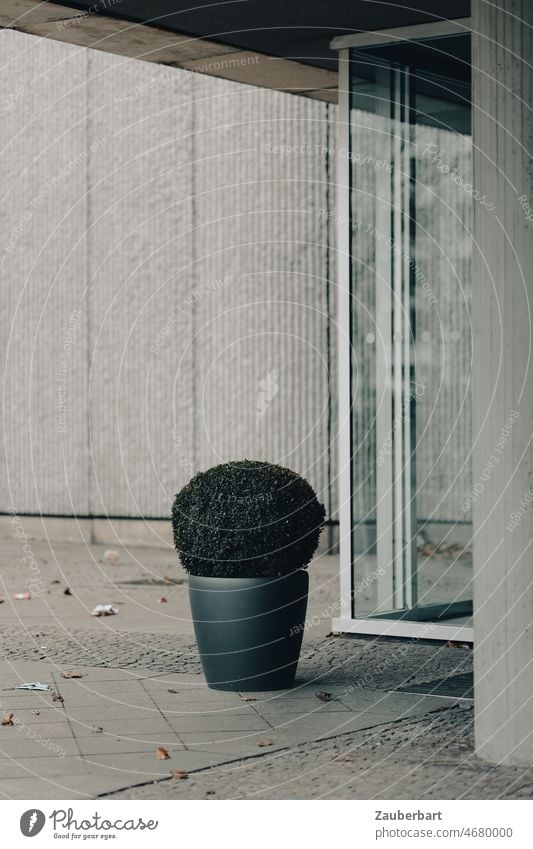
x,y
503,378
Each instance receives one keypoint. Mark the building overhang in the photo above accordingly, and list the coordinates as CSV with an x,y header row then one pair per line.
x,y
276,45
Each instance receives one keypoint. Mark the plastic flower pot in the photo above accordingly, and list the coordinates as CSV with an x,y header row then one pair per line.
x,y
249,630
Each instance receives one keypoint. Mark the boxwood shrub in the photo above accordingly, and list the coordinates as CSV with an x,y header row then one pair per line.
x,y
246,519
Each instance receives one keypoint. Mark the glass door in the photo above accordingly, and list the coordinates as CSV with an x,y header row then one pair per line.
x,y
408,366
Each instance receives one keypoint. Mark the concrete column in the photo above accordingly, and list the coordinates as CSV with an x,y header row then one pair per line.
x,y
503,379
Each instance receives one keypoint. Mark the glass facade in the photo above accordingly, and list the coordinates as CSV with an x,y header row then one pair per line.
x,y
410,203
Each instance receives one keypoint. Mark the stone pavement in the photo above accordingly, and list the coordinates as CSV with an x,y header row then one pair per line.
x,y
141,689
105,731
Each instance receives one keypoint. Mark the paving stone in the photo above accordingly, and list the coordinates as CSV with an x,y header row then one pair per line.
x,y
103,744
46,714
429,757
298,706
37,745
111,711
135,701
142,767
69,787
30,701
126,727
175,712
127,664
45,729
49,765
210,722
317,728
198,739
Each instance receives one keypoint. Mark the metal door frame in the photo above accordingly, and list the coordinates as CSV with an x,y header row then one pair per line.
x,y
423,622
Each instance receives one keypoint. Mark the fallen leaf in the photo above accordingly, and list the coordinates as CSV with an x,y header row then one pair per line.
x,y
67,591
162,600
7,719
263,743
179,773
57,697
162,754
344,758
71,675
451,644
173,691
248,698
36,712
323,696
97,729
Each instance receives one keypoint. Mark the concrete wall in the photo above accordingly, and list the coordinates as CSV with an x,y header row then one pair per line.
x,y
43,275
167,271
166,295
503,388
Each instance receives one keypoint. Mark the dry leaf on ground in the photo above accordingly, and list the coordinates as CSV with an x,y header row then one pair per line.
x,y
7,719
249,698
344,758
36,712
57,697
71,675
263,743
97,729
179,773
323,696
451,644
162,754
162,600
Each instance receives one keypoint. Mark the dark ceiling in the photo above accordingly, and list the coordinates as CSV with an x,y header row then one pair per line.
x,y
294,29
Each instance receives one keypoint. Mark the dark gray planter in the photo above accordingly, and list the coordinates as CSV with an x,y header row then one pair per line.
x,y
249,630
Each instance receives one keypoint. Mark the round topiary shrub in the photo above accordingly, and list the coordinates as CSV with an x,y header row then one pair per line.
x,y
246,519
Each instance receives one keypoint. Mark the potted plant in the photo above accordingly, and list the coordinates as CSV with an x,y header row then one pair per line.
x,y
245,531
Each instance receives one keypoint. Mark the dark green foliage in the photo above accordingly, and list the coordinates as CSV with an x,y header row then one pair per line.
x,y
246,519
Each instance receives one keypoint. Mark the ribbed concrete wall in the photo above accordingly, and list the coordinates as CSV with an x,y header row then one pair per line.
x,y
261,371
167,288
189,238
140,246
43,275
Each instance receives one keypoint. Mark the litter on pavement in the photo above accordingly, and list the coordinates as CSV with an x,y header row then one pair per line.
x,y
104,610
111,556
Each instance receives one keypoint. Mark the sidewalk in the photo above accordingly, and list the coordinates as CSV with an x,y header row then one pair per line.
x,y
344,731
